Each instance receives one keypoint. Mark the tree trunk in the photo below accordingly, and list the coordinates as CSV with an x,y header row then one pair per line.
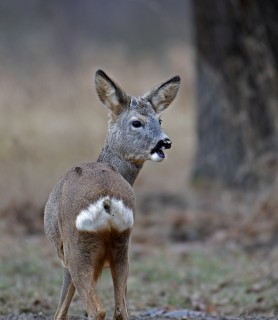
x,y
237,105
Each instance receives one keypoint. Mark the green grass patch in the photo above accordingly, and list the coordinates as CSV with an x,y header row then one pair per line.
x,y
202,278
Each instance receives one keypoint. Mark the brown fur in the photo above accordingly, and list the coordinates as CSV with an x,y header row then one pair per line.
x,y
85,253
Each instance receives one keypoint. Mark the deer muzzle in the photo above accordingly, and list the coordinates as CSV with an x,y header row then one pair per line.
x,y
157,152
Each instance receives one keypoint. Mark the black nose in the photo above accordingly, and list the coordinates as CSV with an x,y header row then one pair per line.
x,y
166,143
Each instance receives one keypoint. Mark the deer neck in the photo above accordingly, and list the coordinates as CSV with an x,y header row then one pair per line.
x,y
128,170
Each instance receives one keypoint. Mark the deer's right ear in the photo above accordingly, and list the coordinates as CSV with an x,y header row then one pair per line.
x,y
110,94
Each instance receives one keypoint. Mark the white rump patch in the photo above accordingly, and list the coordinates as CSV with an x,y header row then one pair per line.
x,y
105,214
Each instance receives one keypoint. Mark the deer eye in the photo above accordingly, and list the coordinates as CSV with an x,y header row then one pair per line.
x,y
160,121
137,124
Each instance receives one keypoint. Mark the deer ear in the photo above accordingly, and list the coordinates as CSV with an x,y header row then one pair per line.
x,y
110,94
163,95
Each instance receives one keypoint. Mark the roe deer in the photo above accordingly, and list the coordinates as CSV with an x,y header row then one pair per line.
x,y
90,212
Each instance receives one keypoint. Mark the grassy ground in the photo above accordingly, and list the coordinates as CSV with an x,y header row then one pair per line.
x,y
197,276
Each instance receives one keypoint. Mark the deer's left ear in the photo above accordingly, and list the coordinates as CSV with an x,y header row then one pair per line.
x,y
163,95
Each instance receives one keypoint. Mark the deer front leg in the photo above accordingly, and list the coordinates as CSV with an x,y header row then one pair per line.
x,y
67,293
119,270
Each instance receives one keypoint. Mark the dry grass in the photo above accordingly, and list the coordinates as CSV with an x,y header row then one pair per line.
x,y
52,119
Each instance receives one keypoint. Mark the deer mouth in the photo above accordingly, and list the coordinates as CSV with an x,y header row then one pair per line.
x,y
157,153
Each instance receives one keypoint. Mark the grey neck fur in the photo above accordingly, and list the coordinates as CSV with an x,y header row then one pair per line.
x,y
127,169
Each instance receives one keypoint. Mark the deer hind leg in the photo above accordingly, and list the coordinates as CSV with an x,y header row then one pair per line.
x,y
119,269
67,293
85,275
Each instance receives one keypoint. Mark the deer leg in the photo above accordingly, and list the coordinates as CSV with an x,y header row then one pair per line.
x,y
67,293
119,270
85,275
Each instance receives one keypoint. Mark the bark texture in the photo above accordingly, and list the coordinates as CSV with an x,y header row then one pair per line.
x,y
237,91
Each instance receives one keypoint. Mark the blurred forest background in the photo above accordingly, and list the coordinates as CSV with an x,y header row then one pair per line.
x,y
51,117
218,185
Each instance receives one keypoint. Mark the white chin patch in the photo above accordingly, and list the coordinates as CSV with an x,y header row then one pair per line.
x,y
155,157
